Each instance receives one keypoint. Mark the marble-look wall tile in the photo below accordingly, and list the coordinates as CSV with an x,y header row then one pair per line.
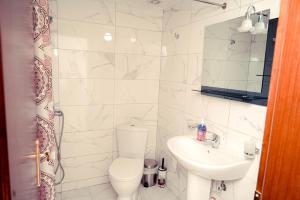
x,y
75,194
88,118
247,2
176,41
134,67
87,143
196,103
86,64
178,65
55,76
196,38
178,15
86,167
213,109
235,140
85,36
170,120
161,148
217,110
86,92
100,11
194,71
145,114
151,141
248,119
210,108
141,16
53,10
244,189
137,41
136,91
150,152
201,11
77,184
172,95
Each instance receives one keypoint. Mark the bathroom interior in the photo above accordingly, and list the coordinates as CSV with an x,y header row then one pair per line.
x,y
141,75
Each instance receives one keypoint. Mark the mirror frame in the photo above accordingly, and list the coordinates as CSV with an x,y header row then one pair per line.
x,y
246,96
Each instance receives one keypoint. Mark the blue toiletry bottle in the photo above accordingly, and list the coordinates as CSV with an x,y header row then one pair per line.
x,y
201,131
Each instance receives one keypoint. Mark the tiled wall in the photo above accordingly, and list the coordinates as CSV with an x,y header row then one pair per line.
x,y
100,84
181,67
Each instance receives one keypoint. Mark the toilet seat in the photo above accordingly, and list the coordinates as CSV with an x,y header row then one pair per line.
x,y
126,169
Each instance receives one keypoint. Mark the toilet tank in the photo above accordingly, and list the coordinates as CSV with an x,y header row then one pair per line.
x,y
132,140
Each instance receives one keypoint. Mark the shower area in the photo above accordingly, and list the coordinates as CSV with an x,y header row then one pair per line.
x,y
106,67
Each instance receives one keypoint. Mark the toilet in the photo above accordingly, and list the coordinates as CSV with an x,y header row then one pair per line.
x,y
126,171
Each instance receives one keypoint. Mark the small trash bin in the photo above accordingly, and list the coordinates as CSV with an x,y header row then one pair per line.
x,y
150,172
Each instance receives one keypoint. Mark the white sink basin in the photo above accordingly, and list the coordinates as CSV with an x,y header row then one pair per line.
x,y
205,163
210,163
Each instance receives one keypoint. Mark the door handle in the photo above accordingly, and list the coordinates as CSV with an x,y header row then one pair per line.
x,y
38,163
37,157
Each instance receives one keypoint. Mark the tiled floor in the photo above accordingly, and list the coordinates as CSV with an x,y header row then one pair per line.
x,y
106,192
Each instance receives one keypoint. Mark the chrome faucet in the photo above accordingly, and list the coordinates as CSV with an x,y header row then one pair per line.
x,y
211,138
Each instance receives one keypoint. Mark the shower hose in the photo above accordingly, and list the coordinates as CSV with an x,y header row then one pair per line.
x,y
61,116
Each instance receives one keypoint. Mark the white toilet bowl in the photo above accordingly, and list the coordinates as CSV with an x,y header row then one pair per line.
x,y
126,171
125,176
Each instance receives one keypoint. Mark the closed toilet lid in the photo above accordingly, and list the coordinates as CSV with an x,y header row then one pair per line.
x,y
124,169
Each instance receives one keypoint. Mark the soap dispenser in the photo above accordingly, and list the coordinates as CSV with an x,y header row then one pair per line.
x,y
201,131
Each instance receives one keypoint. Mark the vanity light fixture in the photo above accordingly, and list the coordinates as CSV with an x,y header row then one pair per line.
x,y
247,23
259,27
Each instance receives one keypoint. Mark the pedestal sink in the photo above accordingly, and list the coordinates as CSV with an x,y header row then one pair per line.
x,y
205,163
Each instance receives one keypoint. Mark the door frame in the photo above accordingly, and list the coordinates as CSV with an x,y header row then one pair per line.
x,y
17,103
282,128
4,168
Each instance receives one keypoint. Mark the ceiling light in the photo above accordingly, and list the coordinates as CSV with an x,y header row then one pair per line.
x,y
133,39
107,37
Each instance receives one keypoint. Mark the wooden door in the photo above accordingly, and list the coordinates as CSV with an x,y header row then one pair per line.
x,y
18,124
279,174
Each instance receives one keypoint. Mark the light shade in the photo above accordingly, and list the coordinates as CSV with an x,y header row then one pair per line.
x,y
246,25
260,27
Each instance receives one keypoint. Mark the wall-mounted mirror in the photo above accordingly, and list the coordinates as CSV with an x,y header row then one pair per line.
x,y
237,65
